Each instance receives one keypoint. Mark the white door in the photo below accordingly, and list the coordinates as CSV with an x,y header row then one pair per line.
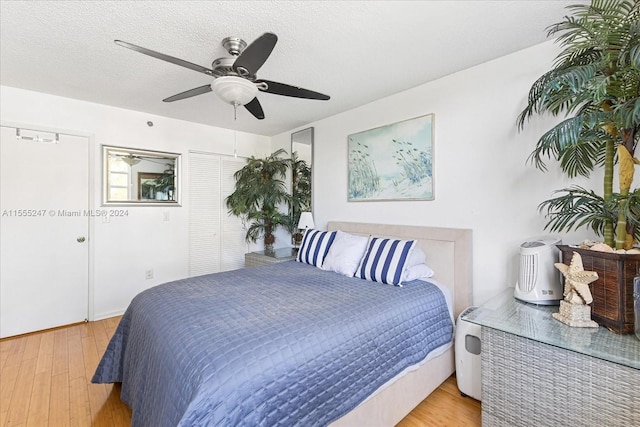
x,y
44,224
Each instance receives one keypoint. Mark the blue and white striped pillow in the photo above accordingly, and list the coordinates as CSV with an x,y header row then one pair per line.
x,y
315,246
384,260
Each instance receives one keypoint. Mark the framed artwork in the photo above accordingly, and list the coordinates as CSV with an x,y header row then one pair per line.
x,y
392,162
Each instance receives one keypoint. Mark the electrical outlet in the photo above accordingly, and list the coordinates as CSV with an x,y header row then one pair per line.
x,y
148,274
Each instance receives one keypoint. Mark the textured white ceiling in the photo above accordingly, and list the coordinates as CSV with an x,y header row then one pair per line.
x,y
356,51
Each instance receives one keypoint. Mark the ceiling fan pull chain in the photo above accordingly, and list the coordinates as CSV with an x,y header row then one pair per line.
x,y
235,144
235,132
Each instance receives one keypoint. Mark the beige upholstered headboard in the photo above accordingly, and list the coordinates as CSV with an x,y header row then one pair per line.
x,y
448,252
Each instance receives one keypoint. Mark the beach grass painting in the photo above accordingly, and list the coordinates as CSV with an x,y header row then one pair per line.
x,y
392,162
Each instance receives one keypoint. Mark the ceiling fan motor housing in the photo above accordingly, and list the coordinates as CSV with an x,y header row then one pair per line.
x,y
224,67
234,45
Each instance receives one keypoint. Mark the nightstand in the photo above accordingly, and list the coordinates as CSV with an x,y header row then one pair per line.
x,y
255,259
539,371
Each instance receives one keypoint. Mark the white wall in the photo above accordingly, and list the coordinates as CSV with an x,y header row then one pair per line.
x,y
482,181
127,246
482,178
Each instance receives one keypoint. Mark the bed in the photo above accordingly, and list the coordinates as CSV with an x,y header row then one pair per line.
x,y
338,350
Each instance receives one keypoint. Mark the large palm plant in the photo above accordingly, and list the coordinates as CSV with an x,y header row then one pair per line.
x,y
596,80
260,190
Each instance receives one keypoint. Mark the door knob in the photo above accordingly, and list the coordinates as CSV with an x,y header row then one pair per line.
x,y
80,239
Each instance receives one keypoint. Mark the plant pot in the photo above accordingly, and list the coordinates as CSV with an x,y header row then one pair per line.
x,y
269,240
612,305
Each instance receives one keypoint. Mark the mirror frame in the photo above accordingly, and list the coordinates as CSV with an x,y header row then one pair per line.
x,y
108,149
310,139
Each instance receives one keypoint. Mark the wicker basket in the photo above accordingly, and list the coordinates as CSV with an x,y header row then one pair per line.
x,y
612,305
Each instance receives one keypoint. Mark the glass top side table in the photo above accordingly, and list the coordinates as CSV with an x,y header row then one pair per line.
x,y
507,314
257,258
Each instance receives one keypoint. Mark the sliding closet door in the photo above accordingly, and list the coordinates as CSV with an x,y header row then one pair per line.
x,y
216,239
44,195
204,213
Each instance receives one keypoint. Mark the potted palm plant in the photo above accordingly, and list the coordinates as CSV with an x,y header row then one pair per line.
x,y
259,192
300,194
595,81
166,183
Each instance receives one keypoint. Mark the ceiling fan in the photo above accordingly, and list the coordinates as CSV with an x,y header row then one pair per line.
x,y
235,78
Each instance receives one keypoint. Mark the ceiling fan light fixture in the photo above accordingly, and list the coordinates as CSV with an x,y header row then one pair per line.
x,y
130,160
234,90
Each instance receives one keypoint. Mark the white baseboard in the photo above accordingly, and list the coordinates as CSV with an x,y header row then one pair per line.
x,y
102,316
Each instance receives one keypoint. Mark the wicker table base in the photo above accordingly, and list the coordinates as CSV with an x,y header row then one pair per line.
x,y
528,383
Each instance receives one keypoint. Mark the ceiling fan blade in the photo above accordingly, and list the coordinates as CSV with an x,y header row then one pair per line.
x,y
255,108
189,93
288,90
255,55
177,61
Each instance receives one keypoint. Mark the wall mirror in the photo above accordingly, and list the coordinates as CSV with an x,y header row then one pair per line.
x,y
301,174
144,177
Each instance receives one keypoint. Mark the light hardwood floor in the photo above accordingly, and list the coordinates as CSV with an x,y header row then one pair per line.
x,y
45,380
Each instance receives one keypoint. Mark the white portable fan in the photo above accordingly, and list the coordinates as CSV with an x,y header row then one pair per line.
x,y
539,281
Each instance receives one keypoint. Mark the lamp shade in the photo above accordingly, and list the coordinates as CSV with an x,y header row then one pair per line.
x,y
234,90
306,221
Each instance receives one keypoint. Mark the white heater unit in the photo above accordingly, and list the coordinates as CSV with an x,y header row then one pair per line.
x,y
468,348
539,281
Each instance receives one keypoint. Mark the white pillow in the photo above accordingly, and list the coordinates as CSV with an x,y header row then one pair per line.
x,y
418,271
345,253
416,257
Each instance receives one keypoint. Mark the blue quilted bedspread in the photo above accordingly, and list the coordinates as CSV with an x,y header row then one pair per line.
x,y
280,345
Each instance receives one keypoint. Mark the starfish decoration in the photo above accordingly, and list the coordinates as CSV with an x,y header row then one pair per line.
x,y
576,281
